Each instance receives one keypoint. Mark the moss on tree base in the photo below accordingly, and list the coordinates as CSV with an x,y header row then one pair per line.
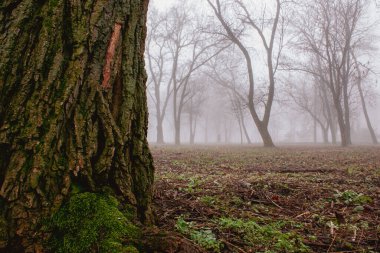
x,y
91,222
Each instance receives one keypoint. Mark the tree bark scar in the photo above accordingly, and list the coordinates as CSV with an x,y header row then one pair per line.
x,y
110,55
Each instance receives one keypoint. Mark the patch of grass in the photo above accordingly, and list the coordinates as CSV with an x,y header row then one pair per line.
x,y
237,201
192,185
209,200
350,197
269,238
203,237
91,222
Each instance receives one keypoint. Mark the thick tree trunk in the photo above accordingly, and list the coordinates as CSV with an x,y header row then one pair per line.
x,y
267,139
72,109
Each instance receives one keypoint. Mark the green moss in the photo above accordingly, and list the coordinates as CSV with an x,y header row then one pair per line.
x,y
92,222
203,237
269,237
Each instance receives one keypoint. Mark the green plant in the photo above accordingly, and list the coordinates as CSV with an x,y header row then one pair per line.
x,y
91,222
350,197
192,185
209,200
268,238
203,237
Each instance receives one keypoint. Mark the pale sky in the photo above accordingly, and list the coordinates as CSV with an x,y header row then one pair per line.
x,y
375,15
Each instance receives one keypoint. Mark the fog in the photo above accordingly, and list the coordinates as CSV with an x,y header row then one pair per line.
x,y
268,72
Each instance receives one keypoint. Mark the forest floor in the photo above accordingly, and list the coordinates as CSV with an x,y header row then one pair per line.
x,y
287,199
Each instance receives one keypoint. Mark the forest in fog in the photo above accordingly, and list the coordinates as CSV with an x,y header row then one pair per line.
x,y
271,72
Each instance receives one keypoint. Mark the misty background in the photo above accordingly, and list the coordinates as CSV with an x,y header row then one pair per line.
x,y
198,83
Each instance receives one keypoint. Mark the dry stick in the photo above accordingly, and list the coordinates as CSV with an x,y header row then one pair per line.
x,y
332,242
274,203
234,246
302,214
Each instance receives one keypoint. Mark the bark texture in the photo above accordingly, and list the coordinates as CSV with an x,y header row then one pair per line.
x,y
72,109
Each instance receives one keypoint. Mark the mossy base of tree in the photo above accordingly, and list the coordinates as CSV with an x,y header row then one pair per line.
x,y
93,222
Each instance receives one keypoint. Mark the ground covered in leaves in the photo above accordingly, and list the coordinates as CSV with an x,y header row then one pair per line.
x,y
287,199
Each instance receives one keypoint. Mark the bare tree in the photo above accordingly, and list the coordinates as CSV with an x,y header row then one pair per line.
x,y
272,61
157,55
309,98
329,31
361,72
190,50
194,106
225,71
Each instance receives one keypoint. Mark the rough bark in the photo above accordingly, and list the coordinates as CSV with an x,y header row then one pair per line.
x,y
72,109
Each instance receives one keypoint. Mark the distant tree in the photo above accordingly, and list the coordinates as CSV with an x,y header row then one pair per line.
x,y
73,111
185,48
362,71
225,72
234,32
194,105
330,31
159,60
309,98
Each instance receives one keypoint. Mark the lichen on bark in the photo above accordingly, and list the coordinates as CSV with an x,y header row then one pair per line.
x,y
59,126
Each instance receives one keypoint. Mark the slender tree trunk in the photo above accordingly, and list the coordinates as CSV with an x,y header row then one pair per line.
x,y
342,125
325,134
240,130
193,125
333,131
315,113
159,117
365,111
192,139
330,117
347,120
72,110
160,132
206,130
177,134
244,127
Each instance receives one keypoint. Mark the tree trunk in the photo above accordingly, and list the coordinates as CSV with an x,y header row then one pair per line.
x,y
244,127
325,134
365,111
193,128
240,130
333,131
191,124
160,132
72,109
177,132
264,133
347,120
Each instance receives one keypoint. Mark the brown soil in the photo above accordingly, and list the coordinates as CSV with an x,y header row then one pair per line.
x,y
293,184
